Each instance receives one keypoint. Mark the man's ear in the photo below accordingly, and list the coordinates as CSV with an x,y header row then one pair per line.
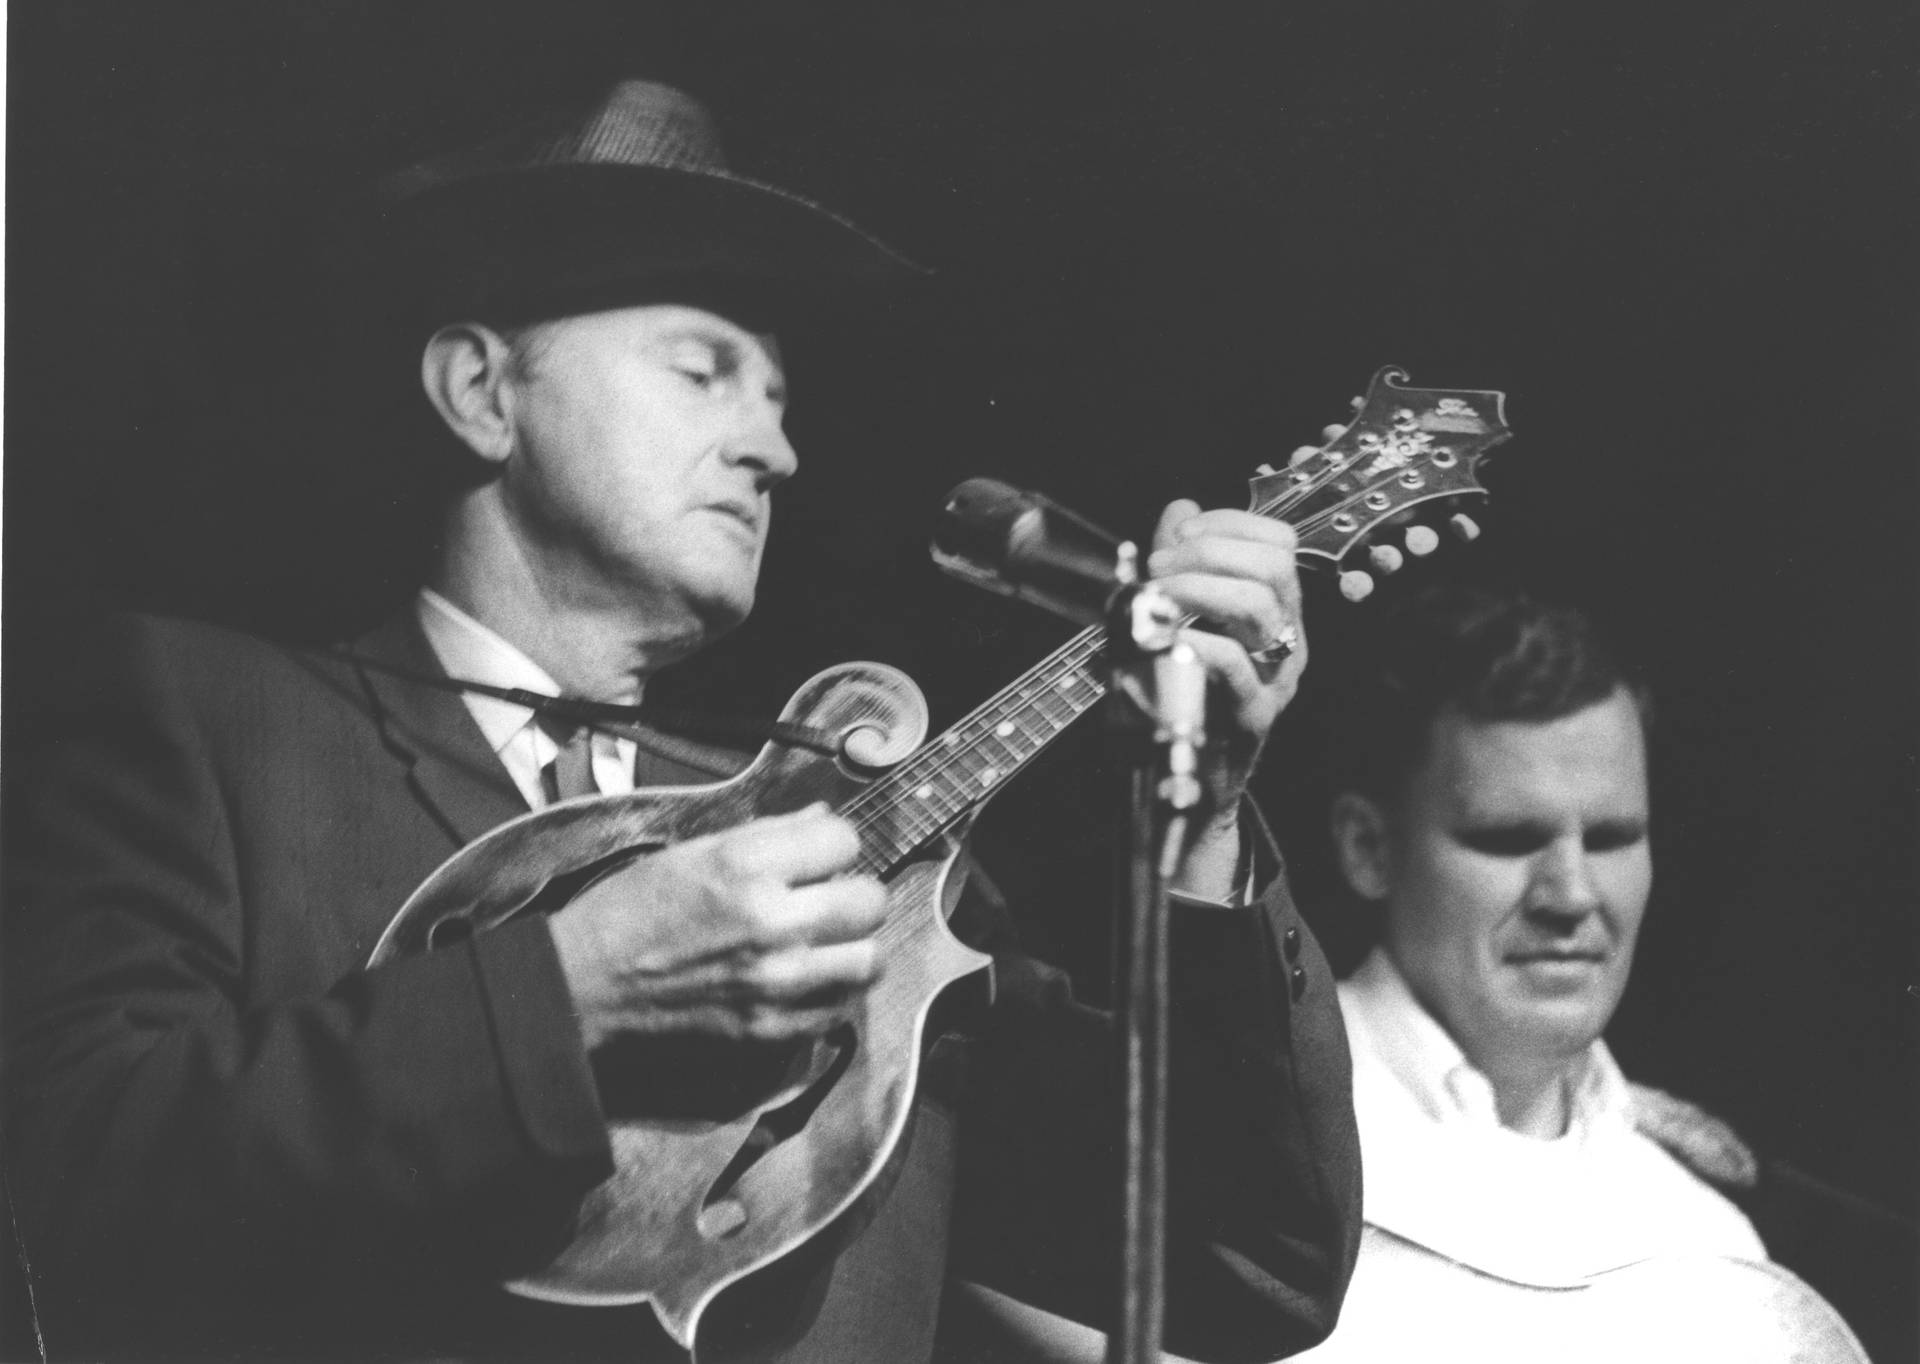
x,y
1362,844
464,370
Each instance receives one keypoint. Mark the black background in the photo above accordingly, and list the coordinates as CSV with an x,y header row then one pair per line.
x,y
1172,241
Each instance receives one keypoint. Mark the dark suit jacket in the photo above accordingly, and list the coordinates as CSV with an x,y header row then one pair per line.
x,y
228,1138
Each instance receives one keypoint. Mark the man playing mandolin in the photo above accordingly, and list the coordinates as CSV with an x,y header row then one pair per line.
x,y
1521,1196
230,1136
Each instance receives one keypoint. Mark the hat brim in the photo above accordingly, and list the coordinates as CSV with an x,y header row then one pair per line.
x,y
528,245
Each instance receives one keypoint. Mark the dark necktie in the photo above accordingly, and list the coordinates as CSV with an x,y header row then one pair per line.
x,y
570,773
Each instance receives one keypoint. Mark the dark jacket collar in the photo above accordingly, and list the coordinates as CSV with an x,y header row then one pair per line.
x,y
450,764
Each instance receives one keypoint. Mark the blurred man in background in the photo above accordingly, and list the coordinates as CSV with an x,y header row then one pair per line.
x,y
1522,1198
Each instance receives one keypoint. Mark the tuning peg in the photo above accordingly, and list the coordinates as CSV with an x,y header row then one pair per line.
x,y
1386,558
1356,585
1464,526
1265,469
1421,540
1301,454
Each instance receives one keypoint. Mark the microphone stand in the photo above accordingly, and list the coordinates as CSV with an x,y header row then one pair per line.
x,y
1156,711
1021,545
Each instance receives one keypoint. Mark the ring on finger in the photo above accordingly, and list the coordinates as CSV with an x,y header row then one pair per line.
x,y
1278,649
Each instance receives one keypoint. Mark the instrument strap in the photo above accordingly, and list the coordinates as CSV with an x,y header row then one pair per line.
x,y
611,717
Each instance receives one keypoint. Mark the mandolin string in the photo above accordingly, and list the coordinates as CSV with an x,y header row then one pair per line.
x,y
1021,694
1046,675
1313,483
1314,522
885,794
1312,486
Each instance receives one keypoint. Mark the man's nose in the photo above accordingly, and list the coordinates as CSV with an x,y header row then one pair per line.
x,y
761,444
1563,884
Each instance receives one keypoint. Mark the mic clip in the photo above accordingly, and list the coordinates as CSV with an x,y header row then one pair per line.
x,y
1020,544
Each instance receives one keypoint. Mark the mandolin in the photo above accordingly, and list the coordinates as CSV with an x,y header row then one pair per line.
x,y
696,1204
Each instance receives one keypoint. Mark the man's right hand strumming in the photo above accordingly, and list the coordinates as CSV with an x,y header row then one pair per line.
x,y
754,933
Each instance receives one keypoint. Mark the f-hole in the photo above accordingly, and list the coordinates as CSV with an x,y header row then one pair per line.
x,y
561,889
785,1120
454,928
451,929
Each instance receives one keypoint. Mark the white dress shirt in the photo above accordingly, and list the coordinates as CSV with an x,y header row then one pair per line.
x,y
1484,1244
1442,1171
470,651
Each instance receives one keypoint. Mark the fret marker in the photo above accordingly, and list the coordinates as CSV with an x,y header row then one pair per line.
x,y
988,775
1004,729
924,793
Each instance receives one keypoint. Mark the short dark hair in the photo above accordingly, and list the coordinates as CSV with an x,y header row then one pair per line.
x,y
1489,655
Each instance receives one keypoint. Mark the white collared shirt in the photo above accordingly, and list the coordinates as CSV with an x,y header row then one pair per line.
x,y
470,651
1486,1246
1441,1170
1425,1061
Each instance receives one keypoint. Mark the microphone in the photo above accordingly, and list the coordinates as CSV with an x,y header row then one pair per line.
x,y
1020,544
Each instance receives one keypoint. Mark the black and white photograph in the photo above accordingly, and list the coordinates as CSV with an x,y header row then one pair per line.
x,y
917,683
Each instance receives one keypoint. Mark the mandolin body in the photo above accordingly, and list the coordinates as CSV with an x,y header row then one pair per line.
x,y
791,1142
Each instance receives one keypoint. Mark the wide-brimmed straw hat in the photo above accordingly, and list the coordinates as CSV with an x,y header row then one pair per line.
x,y
625,200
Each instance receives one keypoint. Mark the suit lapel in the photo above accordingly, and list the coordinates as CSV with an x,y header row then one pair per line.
x,y
449,763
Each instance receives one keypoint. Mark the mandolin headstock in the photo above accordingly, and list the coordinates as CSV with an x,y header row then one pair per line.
x,y
1405,447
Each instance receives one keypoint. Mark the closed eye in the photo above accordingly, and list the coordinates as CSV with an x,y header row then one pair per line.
x,y
1505,840
1614,835
703,362
1523,840
710,361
